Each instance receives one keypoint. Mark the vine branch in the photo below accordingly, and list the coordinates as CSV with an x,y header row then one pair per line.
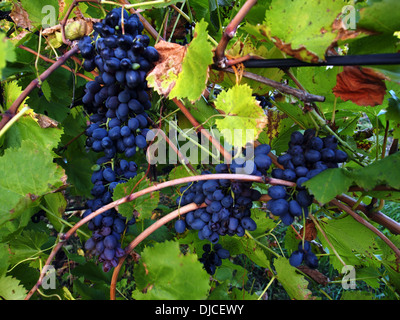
x,y
34,83
229,33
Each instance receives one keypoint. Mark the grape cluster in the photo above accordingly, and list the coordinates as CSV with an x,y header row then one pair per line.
x,y
117,101
107,227
265,101
304,254
307,156
229,202
117,98
212,257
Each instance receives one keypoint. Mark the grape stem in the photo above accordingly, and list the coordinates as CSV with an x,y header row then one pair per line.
x,y
300,94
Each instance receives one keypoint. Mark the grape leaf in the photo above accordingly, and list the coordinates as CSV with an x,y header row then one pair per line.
x,y
6,52
362,86
11,289
305,36
41,12
319,81
380,172
380,16
144,205
244,119
56,204
350,239
194,66
294,283
29,128
27,245
328,184
164,273
27,174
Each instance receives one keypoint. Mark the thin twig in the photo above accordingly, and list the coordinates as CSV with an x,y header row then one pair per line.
x,y
230,32
44,58
34,83
376,216
301,95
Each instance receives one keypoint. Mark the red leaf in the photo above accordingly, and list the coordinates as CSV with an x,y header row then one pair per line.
x,y
363,86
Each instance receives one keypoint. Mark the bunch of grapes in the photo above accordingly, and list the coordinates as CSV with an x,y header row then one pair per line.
x,y
307,156
265,101
117,101
304,254
229,202
108,227
117,98
212,257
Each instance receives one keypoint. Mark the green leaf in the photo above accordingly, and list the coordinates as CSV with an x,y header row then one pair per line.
x,y
319,81
4,256
294,112
328,184
164,273
11,289
27,245
244,119
350,239
393,110
144,205
56,204
194,66
294,283
154,4
303,27
380,172
6,52
263,224
27,174
11,92
41,11
28,128
380,16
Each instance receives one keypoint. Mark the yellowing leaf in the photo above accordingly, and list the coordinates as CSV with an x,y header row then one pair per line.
x,y
193,78
182,72
244,119
164,75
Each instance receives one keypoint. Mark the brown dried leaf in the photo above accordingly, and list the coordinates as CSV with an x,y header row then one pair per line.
x,y
311,231
362,86
164,75
345,34
20,17
300,54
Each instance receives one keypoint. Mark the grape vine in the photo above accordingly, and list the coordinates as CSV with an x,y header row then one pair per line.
x,y
89,102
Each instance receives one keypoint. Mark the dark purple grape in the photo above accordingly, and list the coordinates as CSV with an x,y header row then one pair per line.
x,y
180,226
296,258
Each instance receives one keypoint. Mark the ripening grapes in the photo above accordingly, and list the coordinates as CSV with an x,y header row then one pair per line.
x,y
229,202
304,254
117,101
213,256
107,227
307,156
